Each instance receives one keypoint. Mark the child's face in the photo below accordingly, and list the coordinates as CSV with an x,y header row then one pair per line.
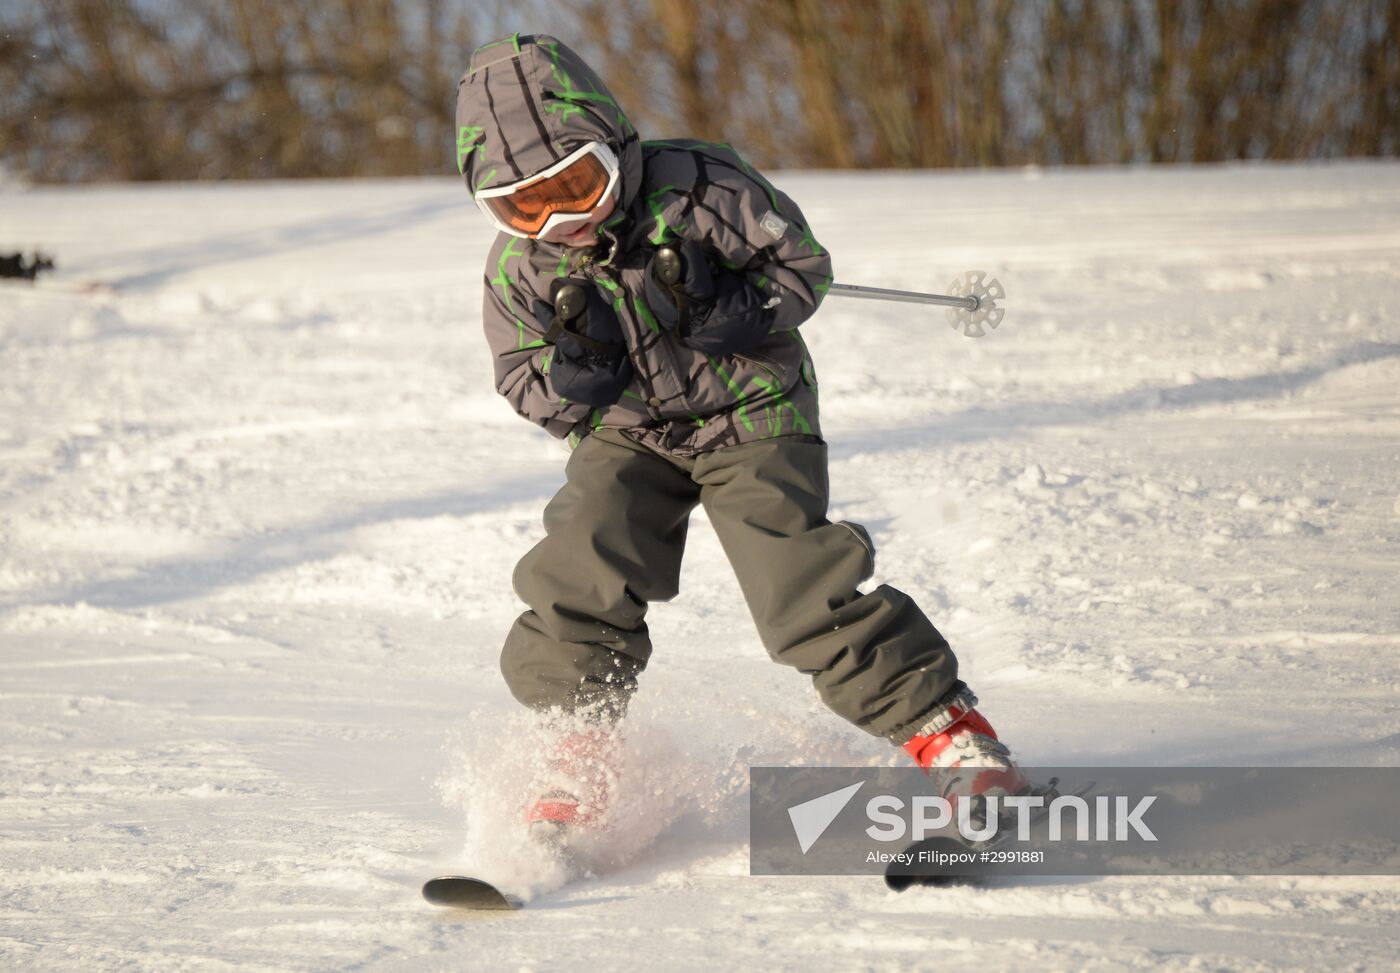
x,y
582,234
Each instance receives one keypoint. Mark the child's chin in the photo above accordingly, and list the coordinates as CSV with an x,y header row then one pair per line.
x,y
582,240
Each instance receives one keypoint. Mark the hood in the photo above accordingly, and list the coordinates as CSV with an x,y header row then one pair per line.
x,y
526,102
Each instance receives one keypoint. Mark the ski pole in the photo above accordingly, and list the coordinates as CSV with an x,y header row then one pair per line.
x,y
907,297
971,305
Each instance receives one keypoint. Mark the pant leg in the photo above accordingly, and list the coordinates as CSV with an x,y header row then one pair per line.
x,y
615,533
875,659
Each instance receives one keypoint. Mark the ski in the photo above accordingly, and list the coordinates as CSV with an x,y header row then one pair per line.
x,y
900,875
464,892
474,894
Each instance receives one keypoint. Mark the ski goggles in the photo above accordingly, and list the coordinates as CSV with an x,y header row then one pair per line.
x,y
567,192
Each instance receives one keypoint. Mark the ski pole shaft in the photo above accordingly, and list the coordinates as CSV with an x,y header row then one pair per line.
x,y
970,303
972,307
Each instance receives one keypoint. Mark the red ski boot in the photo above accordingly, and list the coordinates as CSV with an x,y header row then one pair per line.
x,y
577,785
960,752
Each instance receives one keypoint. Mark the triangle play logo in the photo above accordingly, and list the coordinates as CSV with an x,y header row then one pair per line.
x,y
810,819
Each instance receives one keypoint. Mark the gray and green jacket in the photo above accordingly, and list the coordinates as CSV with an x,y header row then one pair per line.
x,y
526,102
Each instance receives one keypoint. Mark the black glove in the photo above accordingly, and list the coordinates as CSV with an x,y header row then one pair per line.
x,y
714,311
590,354
680,286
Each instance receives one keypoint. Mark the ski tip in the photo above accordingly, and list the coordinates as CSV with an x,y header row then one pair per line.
x,y
902,875
464,892
899,883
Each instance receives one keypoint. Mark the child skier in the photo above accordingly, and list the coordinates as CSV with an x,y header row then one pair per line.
x,y
676,389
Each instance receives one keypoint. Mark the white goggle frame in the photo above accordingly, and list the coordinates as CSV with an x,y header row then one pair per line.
x,y
605,155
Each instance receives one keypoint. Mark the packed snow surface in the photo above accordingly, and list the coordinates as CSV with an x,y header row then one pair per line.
x,y
261,505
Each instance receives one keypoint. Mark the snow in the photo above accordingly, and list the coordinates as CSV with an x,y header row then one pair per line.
x,y
261,507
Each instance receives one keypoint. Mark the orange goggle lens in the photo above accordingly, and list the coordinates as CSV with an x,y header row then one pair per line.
x,y
575,189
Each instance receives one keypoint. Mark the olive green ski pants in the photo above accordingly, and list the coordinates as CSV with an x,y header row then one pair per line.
x,y
615,535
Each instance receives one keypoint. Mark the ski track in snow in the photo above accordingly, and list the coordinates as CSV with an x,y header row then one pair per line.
x,y
259,507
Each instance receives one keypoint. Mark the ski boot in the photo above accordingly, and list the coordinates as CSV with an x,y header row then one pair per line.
x,y
960,752
574,792
966,762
